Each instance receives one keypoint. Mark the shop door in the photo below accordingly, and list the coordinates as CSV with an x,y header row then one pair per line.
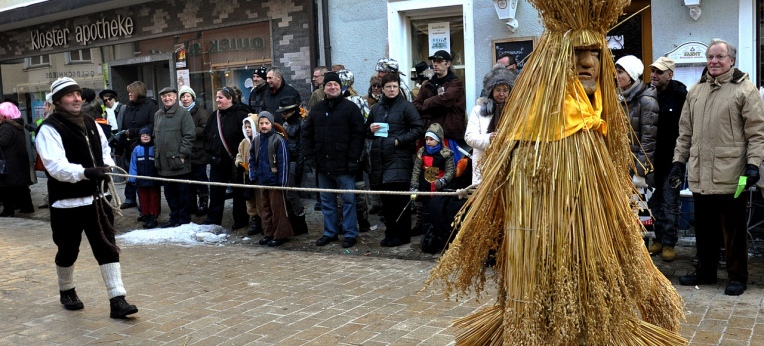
x,y
156,74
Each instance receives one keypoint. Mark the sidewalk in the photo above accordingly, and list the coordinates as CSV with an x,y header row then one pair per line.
x,y
238,293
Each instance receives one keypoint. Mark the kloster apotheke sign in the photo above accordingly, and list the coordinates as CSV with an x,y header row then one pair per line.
x,y
102,29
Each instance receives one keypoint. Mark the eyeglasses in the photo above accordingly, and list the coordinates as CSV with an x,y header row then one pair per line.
x,y
376,86
718,57
107,98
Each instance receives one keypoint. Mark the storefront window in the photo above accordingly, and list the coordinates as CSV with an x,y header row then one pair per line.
x,y
433,34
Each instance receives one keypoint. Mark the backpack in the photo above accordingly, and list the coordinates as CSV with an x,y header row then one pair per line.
x,y
441,233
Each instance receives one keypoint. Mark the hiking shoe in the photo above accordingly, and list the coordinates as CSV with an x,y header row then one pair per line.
x,y
668,254
348,242
120,308
735,288
655,248
326,240
70,300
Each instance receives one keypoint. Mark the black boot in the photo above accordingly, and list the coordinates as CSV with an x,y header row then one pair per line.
x,y
70,300
151,222
299,226
256,227
203,204
120,308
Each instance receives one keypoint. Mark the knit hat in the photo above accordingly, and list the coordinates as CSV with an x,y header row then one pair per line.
x,y
167,90
663,63
9,111
63,86
144,131
187,89
267,115
498,75
332,77
632,65
261,71
435,131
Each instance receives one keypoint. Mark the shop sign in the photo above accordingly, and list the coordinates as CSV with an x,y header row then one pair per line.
x,y
102,29
226,45
689,53
70,74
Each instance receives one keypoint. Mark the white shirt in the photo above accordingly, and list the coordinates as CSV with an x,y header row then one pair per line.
x,y
111,116
51,151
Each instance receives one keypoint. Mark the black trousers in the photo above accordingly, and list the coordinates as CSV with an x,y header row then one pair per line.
x,y
715,215
179,197
393,207
223,173
68,224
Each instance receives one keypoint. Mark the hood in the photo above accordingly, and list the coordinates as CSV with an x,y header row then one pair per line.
x,y
498,75
437,130
252,120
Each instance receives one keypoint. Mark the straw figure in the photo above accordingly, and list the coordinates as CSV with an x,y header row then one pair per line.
x,y
571,267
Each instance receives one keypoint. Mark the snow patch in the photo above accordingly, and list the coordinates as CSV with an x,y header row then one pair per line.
x,y
188,234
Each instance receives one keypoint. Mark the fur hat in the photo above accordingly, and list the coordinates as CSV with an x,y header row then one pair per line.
x,y
63,86
435,131
498,75
187,89
632,65
9,111
388,65
332,77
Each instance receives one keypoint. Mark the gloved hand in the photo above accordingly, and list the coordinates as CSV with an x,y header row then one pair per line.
x,y
99,173
638,181
439,184
676,176
752,172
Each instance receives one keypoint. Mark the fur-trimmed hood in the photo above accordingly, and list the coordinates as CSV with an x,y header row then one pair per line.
x,y
498,75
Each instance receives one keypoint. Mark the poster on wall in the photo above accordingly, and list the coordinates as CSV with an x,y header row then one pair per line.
x,y
439,36
38,109
183,78
180,56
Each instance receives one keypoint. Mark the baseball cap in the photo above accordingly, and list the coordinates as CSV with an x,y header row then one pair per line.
x,y
663,63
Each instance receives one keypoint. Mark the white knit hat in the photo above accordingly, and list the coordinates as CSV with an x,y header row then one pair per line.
x,y
632,65
63,86
187,89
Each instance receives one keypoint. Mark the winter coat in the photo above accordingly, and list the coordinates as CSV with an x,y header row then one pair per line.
x,y
142,163
333,136
447,108
200,116
720,131
392,163
477,135
14,152
242,155
174,134
257,99
231,120
293,127
272,100
441,160
138,115
269,160
670,102
642,101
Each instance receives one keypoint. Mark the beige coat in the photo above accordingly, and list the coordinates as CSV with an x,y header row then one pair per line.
x,y
720,131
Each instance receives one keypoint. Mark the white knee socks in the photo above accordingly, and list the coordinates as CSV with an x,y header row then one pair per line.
x,y
65,277
112,277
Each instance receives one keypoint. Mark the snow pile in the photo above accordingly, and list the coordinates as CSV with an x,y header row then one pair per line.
x,y
189,234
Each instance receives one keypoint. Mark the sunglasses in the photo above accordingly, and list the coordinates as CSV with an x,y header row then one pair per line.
x,y
376,86
108,98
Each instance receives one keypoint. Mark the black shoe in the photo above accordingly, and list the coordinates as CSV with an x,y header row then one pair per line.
x,y
168,224
317,206
143,218
326,240
120,308
392,242
256,227
348,242
265,241
384,242
277,242
299,226
70,300
128,205
364,226
735,288
695,279
151,222
210,222
12,213
237,225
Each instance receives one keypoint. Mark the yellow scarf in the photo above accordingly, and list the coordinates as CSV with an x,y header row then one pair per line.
x,y
579,113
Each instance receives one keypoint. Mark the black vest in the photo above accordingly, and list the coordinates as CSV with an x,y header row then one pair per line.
x,y
79,150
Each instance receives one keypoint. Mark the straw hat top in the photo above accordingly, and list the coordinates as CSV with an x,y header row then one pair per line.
x,y
580,19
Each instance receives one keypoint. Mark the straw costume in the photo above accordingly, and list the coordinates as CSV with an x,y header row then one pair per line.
x,y
554,201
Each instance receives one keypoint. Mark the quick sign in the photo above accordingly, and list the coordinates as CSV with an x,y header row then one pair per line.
x,y
102,29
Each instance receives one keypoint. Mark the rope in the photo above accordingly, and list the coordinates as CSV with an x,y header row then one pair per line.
x,y
461,193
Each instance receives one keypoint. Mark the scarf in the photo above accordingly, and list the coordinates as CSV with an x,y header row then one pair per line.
x,y
193,103
433,150
76,119
498,108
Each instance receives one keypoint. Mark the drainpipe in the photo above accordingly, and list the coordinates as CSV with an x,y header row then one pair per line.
x,y
325,24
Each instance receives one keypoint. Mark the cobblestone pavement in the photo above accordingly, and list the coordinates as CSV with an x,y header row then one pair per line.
x,y
238,293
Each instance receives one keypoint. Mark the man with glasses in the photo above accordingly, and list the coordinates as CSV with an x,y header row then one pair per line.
x,y
318,86
664,202
721,139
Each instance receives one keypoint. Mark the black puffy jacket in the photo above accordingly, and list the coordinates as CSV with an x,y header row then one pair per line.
x,y
138,115
333,136
391,163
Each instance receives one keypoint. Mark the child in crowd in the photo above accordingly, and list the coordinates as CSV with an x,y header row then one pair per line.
x,y
142,163
433,169
269,166
252,197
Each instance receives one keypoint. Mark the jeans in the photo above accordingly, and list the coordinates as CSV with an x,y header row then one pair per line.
x,y
329,204
664,204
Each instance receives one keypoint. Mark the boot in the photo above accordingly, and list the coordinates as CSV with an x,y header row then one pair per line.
x,y
203,204
299,226
256,227
668,254
151,222
70,300
120,308
655,248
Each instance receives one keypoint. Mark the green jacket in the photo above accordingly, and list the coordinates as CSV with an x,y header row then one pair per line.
x,y
174,134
